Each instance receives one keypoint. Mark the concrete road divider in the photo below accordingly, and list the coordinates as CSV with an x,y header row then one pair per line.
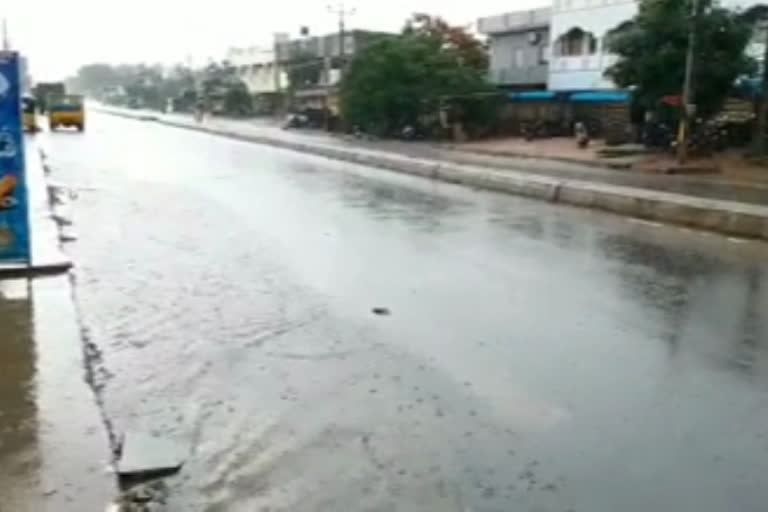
x,y
728,217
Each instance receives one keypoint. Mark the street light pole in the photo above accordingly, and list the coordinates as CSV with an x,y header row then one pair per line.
x,y
687,99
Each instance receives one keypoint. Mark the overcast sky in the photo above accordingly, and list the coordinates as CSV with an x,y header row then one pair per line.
x,y
58,36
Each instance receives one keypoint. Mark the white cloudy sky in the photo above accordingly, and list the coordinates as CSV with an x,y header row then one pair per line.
x,y
59,35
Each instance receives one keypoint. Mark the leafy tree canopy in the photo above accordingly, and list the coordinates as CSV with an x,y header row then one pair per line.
x,y
652,51
397,81
151,86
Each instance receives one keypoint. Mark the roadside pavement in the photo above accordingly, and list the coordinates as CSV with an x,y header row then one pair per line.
x,y
713,202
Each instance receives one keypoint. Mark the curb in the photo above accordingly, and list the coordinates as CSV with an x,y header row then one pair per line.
x,y
727,217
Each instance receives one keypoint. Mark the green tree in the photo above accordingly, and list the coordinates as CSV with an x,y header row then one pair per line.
x,y
652,51
237,100
94,78
399,81
224,90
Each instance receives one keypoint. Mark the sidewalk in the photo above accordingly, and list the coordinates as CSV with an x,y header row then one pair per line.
x,y
562,149
713,202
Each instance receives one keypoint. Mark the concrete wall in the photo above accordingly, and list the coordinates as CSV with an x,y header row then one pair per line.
x,y
520,58
519,46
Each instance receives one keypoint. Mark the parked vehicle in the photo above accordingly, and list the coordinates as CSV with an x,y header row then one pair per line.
x,y
296,121
534,130
658,134
66,110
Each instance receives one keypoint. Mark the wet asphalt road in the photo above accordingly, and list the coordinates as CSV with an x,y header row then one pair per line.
x,y
537,358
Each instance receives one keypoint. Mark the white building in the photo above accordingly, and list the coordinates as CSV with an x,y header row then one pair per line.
x,y
257,68
577,40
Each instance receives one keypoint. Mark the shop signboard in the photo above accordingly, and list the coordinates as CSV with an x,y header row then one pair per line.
x,y
14,215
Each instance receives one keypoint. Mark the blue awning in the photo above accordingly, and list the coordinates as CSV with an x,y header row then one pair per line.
x,y
600,97
531,96
752,87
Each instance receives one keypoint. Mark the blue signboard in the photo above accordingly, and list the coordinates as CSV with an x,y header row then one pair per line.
x,y
14,218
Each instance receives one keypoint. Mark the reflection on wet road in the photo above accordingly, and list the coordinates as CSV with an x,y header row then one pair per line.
x,y
19,414
536,357
52,449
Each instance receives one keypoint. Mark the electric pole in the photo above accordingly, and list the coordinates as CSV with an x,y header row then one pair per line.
x,y
342,13
687,99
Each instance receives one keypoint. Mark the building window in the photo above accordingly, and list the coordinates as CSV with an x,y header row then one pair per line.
x,y
576,42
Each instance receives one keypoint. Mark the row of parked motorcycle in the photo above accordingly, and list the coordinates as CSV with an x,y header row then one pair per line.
x,y
706,137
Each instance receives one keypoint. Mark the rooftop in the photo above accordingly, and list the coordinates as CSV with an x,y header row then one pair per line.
x,y
515,21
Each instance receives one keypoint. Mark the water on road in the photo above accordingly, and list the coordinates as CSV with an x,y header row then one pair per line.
x,y
53,452
535,357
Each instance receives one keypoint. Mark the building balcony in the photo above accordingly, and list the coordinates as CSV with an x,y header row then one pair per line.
x,y
515,21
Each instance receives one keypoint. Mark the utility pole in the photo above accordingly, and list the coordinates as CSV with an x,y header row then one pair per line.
x,y
342,13
687,99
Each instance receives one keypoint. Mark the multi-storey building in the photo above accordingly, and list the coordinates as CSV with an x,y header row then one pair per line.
x,y
519,48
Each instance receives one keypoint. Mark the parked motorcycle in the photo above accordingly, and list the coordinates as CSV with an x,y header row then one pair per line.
x,y
295,121
534,130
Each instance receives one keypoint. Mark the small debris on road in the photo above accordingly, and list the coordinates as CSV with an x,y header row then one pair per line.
x,y
381,311
67,236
